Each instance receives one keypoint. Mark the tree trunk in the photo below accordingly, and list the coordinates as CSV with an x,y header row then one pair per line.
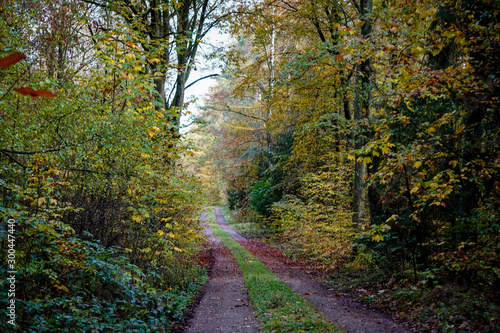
x,y
178,101
361,112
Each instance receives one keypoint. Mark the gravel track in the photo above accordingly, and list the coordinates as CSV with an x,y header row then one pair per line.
x,y
224,306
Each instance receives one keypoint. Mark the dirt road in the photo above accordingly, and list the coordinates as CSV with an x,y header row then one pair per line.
x,y
225,305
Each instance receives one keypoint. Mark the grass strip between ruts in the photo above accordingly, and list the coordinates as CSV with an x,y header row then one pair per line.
x,y
278,307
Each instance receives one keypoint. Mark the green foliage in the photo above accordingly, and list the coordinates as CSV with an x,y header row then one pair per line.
x,y
106,225
66,284
235,198
262,195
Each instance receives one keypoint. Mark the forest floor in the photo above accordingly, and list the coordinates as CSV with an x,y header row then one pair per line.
x,y
225,306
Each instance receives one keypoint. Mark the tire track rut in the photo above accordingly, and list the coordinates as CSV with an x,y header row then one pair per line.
x,y
224,306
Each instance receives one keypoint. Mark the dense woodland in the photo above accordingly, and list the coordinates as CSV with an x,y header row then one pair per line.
x,y
364,136
106,214
361,136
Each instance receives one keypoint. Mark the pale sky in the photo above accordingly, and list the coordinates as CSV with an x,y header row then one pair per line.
x,y
214,40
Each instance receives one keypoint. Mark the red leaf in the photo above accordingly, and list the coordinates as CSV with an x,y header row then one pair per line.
x,y
11,59
34,93
26,91
45,93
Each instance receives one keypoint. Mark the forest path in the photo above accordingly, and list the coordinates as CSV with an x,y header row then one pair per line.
x,y
224,306
347,314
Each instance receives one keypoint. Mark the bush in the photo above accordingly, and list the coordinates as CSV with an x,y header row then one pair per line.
x,y
313,231
66,284
262,195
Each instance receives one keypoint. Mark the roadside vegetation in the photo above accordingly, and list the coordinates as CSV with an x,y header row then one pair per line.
x,y
241,225
106,235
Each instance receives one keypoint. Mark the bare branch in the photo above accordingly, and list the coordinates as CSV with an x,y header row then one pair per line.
x,y
203,78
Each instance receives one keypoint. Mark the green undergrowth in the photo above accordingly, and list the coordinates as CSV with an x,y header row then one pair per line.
x,y
244,226
102,291
446,306
278,307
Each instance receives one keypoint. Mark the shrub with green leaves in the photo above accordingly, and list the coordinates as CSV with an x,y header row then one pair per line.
x,y
65,284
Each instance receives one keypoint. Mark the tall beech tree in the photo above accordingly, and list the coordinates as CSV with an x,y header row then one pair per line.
x,y
171,31
361,105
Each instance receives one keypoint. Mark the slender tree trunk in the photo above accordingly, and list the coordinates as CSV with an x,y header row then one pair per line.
x,y
361,112
360,169
160,28
160,87
178,101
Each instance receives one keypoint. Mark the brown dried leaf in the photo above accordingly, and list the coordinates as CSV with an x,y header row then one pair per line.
x,y
34,93
26,91
45,93
11,59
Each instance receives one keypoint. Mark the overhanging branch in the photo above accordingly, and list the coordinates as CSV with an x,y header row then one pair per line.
x,y
203,78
